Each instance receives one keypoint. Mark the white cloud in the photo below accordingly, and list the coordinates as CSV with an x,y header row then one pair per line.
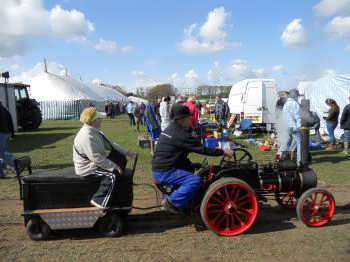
x,y
236,70
15,66
332,7
110,46
339,27
294,34
278,68
22,19
185,83
144,80
12,45
260,72
70,25
211,36
106,46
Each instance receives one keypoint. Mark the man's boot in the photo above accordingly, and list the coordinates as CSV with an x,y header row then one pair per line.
x,y
346,147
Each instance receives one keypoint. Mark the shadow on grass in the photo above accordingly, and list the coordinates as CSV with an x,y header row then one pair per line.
x,y
153,222
31,141
270,219
324,152
330,159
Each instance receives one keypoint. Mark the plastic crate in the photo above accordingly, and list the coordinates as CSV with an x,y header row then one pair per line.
x,y
211,142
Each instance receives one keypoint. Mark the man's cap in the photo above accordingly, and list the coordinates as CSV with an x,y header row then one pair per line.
x,y
90,114
179,111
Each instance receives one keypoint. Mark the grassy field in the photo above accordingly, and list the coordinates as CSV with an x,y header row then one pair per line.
x,y
154,236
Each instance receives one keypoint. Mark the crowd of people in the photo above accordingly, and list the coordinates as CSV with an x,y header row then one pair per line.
x,y
163,107
291,116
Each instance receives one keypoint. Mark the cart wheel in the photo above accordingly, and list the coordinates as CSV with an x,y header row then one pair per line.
x,y
229,207
286,200
315,207
37,229
111,225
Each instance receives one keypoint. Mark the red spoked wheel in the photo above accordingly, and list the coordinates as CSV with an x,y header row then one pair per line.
x,y
287,200
316,207
229,207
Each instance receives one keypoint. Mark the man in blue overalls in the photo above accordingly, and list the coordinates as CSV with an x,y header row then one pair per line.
x,y
170,164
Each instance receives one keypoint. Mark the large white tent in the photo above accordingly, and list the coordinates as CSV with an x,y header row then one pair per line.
x,y
332,86
63,97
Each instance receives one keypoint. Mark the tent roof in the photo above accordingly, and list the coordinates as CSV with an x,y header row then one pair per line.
x,y
50,87
136,99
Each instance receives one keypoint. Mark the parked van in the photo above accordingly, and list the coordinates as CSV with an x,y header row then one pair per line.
x,y
254,99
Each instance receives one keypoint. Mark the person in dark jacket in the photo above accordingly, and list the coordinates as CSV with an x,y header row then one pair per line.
x,y
316,123
221,111
170,164
331,121
345,124
6,132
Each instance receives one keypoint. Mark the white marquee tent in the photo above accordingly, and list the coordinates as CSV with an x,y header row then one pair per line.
x,y
330,86
63,97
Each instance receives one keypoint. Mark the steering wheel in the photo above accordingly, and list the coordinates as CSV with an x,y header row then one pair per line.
x,y
239,154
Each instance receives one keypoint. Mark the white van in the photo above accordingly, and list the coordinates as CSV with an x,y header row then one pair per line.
x,y
254,99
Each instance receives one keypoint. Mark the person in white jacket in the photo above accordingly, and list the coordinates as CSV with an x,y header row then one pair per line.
x,y
90,151
291,118
164,111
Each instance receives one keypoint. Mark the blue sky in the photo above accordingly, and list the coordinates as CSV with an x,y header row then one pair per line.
x,y
140,43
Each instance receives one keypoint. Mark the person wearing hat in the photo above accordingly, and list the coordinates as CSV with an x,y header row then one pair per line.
x,y
345,124
290,134
91,156
170,164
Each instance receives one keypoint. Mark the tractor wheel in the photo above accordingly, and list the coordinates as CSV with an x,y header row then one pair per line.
x,y
111,225
32,119
37,229
229,207
286,200
315,207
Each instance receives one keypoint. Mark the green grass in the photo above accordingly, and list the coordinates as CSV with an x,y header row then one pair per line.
x,y
50,147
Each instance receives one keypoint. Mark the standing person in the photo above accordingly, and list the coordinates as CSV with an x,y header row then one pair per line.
x,y
137,116
130,108
291,118
345,124
142,112
221,111
164,111
6,132
199,107
156,110
331,121
316,123
170,164
90,156
191,104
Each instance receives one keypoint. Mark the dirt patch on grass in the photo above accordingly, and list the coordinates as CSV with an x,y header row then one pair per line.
x,y
158,236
